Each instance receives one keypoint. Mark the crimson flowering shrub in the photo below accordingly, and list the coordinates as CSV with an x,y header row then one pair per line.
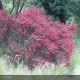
x,y
35,38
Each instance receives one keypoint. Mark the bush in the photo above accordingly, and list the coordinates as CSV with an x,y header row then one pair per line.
x,y
35,38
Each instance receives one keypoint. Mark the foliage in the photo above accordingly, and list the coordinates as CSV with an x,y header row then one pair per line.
x,y
33,37
58,8
67,8
8,7
75,8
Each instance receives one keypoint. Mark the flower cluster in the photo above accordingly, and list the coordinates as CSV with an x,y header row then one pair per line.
x,y
35,38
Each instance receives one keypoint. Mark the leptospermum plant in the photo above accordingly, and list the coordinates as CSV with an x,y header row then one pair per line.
x,y
35,38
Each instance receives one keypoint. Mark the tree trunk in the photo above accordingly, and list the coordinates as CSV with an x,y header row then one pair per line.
x,y
62,17
1,6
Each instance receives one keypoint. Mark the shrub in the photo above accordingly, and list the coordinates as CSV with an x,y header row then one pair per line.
x,y
35,38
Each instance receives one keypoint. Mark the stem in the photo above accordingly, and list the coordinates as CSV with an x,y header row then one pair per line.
x,y
8,45
13,7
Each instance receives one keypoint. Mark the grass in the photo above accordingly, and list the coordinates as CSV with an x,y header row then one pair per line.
x,y
23,70
75,66
47,69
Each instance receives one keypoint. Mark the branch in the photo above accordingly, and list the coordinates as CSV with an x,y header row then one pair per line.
x,y
18,6
22,6
13,7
